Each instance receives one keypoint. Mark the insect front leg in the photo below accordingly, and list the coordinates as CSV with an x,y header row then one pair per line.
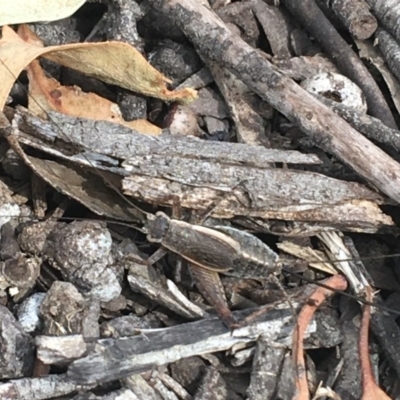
x,y
156,256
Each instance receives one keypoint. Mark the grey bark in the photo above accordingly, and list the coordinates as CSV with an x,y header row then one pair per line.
x,y
329,131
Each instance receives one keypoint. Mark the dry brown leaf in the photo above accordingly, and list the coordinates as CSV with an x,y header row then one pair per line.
x,y
47,94
116,63
15,55
112,62
24,11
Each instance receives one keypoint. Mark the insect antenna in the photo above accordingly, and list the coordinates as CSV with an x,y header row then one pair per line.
x,y
349,295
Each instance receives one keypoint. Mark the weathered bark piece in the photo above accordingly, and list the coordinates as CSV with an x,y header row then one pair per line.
x,y
286,384
141,388
63,310
387,332
308,254
346,59
275,26
241,357
352,212
270,193
28,312
348,383
388,14
347,262
87,187
139,278
250,126
268,188
241,15
303,67
390,50
212,387
198,80
171,384
52,173
110,139
372,55
371,127
327,129
113,359
60,350
9,209
355,15
259,196
48,387
38,186
352,215
267,363
127,325
82,252
17,350
266,193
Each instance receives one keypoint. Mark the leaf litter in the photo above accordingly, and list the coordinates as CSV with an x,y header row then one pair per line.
x,y
73,59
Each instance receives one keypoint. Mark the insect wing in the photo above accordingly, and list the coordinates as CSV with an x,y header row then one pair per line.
x,y
256,259
201,246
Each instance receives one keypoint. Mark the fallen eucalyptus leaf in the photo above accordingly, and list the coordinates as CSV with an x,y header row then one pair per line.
x,y
24,11
115,63
47,94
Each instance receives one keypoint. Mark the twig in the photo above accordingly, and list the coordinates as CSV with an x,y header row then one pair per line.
x,y
118,358
388,14
355,15
329,131
390,50
305,316
371,127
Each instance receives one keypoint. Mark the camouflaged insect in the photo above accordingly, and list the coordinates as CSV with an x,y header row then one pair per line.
x,y
221,249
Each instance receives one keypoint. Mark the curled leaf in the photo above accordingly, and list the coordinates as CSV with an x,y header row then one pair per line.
x,y
112,62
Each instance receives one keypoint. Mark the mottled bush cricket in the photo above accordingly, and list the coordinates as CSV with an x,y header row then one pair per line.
x,y
221,249
211,251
